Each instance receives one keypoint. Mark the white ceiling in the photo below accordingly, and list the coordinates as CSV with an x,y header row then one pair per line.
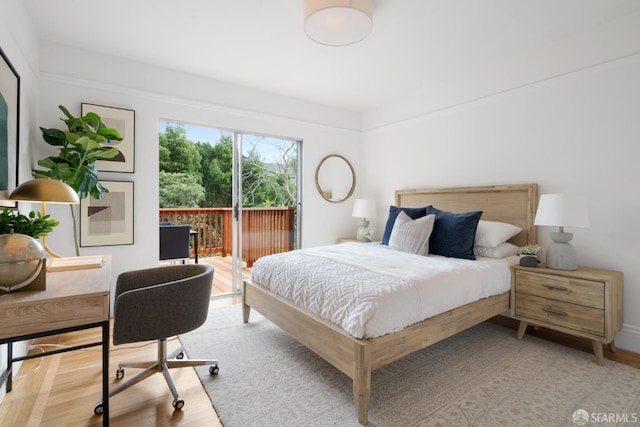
x,y
261,44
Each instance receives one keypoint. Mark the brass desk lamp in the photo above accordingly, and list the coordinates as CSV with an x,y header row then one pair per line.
x,y
46,191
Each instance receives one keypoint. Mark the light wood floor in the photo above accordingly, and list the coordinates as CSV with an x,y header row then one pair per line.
x,y
64,389
61,390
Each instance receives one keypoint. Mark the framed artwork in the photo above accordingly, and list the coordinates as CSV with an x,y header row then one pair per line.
x,y
9,129
108,221
124,122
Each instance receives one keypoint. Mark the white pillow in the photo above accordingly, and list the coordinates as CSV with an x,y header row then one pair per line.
x,y
412,235
503,250
490,234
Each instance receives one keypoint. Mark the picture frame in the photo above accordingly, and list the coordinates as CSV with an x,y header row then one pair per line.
x,y
9,129
109,220
123,121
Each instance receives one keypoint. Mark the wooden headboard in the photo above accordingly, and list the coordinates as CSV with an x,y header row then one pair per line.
x,y
515,204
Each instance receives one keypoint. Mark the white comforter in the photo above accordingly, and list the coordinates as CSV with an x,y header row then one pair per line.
x,y
370,290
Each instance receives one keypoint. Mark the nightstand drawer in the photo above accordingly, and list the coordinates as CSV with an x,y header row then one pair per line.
x,y
551,311
573,290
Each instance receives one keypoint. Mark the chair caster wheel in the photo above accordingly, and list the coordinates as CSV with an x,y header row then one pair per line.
x,y
213,370
98,409
178,404
120,373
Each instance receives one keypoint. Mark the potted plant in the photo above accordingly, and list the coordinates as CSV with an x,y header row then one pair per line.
x,y
33,224
85,141
529,255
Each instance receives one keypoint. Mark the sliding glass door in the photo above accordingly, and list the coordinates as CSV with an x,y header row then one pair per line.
x,y
266,199
240,192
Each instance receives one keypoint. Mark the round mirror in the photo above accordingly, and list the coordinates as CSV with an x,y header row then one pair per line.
x,y
335,178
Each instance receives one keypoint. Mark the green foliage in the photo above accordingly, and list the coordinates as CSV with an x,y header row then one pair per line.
x,y
270,184
34,224
263,184
217,172
79,146
178,154
530,250
179,190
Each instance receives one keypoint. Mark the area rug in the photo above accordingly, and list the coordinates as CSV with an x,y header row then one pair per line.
x,y
483,376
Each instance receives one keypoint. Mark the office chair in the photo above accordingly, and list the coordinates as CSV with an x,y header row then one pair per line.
x,y
155,304
174,242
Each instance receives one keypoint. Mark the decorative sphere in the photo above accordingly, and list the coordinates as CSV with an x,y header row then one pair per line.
x,y
21,258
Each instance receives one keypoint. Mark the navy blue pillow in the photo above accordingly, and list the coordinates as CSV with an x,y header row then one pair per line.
x,y
414,213
453,234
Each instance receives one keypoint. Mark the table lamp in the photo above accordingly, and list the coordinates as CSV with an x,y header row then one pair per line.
x,y
364,208
562,210
46,191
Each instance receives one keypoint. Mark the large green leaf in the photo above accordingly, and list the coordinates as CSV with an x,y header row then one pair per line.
x,y
110,133
108,152
87,144
54,136
93,120
75,124
65,111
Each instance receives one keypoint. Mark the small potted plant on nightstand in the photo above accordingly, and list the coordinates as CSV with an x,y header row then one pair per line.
x,y
529,255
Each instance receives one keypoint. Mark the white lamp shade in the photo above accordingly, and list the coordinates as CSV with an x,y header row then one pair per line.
x,y
563,210
364,208
337,22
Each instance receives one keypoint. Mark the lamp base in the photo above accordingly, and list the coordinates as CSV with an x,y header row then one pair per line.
x,y
361,233
40,281
561,255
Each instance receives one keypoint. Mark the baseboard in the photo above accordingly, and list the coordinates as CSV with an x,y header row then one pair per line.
x,y
629,338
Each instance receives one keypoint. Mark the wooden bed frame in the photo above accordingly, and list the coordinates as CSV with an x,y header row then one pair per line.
x,y
357,358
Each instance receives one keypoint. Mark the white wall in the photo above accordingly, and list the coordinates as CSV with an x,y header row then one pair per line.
x,y
189,99
19,44
577,133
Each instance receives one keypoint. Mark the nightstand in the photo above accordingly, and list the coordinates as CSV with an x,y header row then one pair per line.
x,y
348,239
586,302
353,240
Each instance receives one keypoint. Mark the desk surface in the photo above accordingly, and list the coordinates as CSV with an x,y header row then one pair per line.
x,y
71,298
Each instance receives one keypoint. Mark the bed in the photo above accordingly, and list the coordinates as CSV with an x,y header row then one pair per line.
x,y
359,357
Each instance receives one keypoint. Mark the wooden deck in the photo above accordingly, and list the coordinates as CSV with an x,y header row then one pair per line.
x,y
222,269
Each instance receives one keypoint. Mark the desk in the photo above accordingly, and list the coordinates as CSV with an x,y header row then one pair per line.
x,y
74,300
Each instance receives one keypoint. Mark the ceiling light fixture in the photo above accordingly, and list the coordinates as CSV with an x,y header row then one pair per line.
x,y
337,22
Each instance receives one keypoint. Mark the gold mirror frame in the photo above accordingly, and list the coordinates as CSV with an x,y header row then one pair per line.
x,y
327,194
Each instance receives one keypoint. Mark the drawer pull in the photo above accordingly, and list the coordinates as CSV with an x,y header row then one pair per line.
x,y
560,288
558,312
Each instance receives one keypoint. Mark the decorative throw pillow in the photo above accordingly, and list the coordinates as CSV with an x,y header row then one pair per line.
x,y
414,213
503,250
412,235
490,234
453,233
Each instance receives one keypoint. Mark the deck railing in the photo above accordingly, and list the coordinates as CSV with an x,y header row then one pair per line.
x,y
265,231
